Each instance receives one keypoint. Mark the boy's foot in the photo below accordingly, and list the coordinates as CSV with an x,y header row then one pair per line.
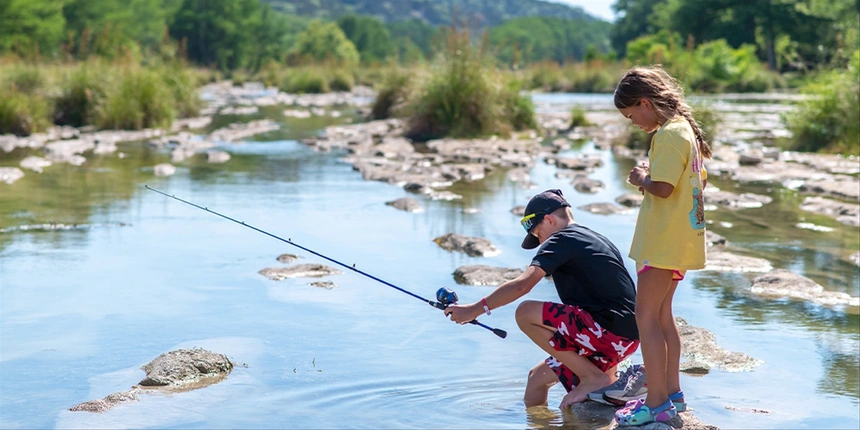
x,y
641,414
677,399
620,384
636,389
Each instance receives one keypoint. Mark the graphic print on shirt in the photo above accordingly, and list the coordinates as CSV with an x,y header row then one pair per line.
x,y
697,214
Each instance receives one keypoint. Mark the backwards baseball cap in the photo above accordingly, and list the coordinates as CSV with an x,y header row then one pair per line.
x,y
539,206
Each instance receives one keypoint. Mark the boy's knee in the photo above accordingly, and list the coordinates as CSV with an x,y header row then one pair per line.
x,y
527,310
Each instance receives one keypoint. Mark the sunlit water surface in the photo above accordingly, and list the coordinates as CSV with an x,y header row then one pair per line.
x,y
82,310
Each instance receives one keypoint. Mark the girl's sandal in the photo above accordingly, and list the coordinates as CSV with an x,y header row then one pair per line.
x,y
678,400
630,405
642,414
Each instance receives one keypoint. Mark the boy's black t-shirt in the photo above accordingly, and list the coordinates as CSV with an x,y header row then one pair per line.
x,y
589,272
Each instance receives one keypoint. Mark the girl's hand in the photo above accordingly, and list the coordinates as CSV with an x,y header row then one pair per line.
x,y
637,176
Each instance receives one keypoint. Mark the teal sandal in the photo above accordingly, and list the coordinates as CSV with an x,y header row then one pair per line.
x,y
641,414
678,400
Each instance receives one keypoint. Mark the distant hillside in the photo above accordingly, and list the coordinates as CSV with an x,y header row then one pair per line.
x,y
434,12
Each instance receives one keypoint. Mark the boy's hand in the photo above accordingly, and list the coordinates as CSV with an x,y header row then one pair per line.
x,y
462,314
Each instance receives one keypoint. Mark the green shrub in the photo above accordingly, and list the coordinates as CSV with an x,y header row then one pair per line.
x,y
21,114
140,99
341,81
304,81
577,117
83,90
519,111
391,95
827,121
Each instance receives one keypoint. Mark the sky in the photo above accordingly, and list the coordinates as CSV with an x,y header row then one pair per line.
x,y
599,8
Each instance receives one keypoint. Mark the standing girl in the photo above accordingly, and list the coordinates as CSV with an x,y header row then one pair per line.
x,y
670,231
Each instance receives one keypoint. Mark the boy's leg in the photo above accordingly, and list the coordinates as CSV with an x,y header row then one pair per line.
x,y
541,378
529,317
673,342
653,287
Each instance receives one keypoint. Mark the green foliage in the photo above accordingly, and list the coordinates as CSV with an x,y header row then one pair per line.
x,y
83,90
577,117
325,42
306,80
413,39
526,40
435,12
139,99
828,119
464,96
29,27
341,81
369,36
591,77
21,114
391,95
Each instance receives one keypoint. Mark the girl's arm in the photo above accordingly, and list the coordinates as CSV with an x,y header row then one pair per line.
x,y
639,177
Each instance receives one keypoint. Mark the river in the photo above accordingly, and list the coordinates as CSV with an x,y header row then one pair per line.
x,y
82,309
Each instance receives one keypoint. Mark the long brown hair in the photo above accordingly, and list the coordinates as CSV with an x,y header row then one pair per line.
x,y
664,92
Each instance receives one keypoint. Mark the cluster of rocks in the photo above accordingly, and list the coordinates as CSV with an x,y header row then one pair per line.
x,y
304,270
174,371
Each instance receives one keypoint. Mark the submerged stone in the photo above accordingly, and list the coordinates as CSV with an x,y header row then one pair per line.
x,y
185,366
484,275
310,270
782,283
605,209
723,261
287,258
631,200
406,204
107,402
473,246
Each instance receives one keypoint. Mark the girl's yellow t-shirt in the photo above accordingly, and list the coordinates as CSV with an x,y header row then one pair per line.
x,y
670,232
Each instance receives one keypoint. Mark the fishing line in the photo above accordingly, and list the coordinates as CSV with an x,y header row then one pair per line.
x,y
436,304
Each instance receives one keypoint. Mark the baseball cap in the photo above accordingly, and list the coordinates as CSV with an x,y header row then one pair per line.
x,y
539,206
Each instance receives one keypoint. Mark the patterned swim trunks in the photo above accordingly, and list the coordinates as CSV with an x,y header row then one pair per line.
x,y
577,331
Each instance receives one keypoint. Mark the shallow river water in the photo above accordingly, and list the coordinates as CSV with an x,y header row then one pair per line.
x,y
81,310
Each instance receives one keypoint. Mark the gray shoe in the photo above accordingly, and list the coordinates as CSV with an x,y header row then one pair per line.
x,y
620,384
636,389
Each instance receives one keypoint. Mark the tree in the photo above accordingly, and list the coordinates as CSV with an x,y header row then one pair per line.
x,y
634,20
218,32
541,38
325,41
410,35
29,26
369,36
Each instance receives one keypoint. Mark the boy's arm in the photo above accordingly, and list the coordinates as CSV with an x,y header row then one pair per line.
x,y
504,294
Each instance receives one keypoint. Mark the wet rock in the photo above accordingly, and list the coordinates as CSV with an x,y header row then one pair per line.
x,y
34,163
855,258
326,285
164,169
484,275
605,209
296,113
839,186
287,258
443,195
602,417
103,148
631,200
392,147
699,350
736,201
10,175
519,211
813,227
473,246
65,150
750,410
723,261
713,239
846,213
191,123
582,162
56,227
832,163
586,185
217,157
782,283
751,158
406,204
185,366
310,270
107,402
235,132
239,110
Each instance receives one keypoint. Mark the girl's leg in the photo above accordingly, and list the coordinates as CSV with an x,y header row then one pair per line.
x,y
654,286
673,342
541,378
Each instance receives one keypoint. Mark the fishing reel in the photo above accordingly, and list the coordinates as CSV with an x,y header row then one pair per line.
x,y
446,297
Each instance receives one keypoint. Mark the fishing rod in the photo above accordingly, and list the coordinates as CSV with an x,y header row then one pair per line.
x,y
444,296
